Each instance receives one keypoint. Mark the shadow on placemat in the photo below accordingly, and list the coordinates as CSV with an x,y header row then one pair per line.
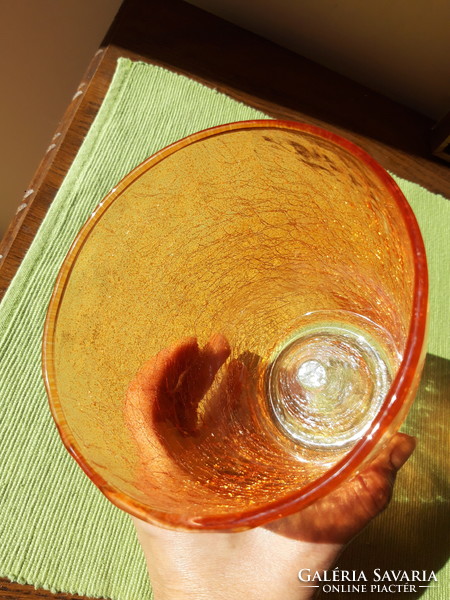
x,y
413,533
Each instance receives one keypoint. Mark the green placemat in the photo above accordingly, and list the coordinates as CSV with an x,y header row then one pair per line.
x,y
57,531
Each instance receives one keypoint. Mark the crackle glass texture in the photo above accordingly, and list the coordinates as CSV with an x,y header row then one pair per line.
x,y
252,233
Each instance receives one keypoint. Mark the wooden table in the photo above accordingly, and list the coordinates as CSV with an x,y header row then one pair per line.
x,y
180,37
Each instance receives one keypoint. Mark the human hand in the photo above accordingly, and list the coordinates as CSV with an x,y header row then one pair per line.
x,y
261,562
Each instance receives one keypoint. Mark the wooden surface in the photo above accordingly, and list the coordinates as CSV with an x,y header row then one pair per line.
x,y
183,38
17,591
190,41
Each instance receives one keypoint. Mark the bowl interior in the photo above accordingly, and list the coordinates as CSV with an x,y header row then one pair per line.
x,y
251,231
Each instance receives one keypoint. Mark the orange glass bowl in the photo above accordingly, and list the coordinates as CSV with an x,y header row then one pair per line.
x,y
296,255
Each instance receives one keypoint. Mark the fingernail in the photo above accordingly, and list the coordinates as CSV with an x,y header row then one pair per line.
x,y
402,452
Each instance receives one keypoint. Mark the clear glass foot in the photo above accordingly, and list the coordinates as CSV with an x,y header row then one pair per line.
x,y
326,385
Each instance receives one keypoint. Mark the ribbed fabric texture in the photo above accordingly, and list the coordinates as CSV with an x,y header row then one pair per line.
x,y
57,531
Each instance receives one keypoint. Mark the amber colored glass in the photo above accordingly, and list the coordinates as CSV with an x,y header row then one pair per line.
x,y
271,278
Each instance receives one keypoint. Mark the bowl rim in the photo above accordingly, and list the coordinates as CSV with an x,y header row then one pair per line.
x,y
408,371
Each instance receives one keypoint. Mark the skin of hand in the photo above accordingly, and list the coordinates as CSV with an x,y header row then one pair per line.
x,y
262,562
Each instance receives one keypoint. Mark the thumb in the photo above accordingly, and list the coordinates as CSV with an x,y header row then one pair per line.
x,y
379,476
401,447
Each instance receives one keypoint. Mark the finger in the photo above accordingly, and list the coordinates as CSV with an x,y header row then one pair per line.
x,y
172,363
217,350
339,516
220,411
147,393
378,478
210,359
401,448
193,383
393,457
197,375
189,371
177,379
166,372
164,369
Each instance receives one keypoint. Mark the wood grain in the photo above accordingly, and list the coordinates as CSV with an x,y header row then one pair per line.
x,y
17,591
248,68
